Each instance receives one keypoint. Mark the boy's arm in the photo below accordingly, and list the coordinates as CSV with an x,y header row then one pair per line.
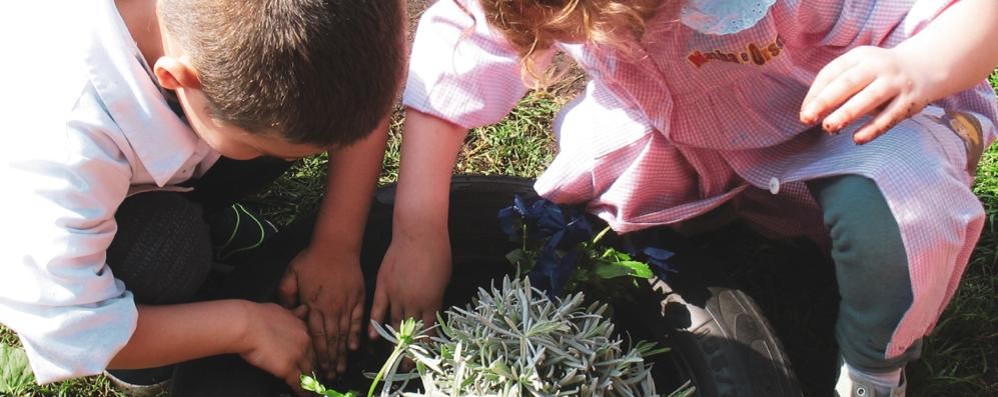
x,y
266,335
417,266
326,276
953,53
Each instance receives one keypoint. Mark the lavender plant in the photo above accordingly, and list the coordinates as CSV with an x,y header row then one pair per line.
x,y
515,341
532,337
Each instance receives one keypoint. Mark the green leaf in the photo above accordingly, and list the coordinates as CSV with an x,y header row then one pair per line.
x,y
15,374
609,270
522,258
647,349
516,256
311,384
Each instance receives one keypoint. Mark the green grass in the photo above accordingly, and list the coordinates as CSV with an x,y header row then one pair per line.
x,y
959,358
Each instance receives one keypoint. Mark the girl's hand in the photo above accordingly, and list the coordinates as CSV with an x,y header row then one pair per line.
x,y
888,84
412,278
330,283
276,340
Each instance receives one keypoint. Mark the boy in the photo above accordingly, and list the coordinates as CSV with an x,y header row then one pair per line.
x,y
124,108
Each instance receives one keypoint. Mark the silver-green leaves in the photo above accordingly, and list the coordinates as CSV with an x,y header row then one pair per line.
x,y
515,341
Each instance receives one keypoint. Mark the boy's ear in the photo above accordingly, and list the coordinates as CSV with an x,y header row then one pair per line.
x,y
174,73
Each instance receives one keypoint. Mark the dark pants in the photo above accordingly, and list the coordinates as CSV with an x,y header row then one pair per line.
x,y
871,267
162,250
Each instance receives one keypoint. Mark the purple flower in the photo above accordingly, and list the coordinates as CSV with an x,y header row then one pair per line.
x,y
659,260
559,230
552,272
545,220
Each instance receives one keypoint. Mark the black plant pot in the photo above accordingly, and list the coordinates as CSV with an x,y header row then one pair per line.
x,y
719,339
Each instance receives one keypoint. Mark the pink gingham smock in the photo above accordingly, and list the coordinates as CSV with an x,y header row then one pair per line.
x,y
695,120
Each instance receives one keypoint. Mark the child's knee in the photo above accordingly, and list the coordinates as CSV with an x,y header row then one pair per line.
x,y
863,229
162,250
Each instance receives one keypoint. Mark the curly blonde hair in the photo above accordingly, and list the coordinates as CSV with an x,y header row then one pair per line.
x,y
535,25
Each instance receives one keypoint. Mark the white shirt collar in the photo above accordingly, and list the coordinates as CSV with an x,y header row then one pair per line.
x,y
162,141
720,17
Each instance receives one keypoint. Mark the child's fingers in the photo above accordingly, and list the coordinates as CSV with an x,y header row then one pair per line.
x,y
294,379
320,338
356,321
287,291
894,113
300,311
429,318
337,338
341,342
378,309
304,365
307,363
835,68
867,101
343,336
398,314
838,91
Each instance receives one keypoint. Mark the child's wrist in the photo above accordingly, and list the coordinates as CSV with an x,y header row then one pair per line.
x,y
934,77
240,339
332,248
412,216
413,229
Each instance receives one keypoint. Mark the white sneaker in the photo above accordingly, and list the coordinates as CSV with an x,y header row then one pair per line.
x,y
132,390
847,386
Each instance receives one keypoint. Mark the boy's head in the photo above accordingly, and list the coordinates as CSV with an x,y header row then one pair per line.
x,y
282,77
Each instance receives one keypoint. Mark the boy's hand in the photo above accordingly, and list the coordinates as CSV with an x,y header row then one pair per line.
x,y
277,341
888,84
332,286
412,279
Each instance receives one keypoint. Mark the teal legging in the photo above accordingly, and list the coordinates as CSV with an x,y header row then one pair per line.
x,y
871,268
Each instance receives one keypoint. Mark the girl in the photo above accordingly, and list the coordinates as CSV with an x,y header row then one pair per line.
x,y
858,123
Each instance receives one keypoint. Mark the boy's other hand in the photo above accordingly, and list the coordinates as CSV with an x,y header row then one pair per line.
x,y
331,284
277,341
888,84
412,278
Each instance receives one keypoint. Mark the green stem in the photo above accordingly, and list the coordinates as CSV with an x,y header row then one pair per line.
x,y
524,234
384,368
601,234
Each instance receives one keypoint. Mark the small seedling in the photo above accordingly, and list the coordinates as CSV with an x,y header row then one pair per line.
x,y
310,383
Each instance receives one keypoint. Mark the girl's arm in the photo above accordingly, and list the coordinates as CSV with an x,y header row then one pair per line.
x,y
417,266
953,53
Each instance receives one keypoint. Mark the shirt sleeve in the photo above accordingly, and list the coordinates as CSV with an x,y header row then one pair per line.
x,y
56,291
846,24
462,71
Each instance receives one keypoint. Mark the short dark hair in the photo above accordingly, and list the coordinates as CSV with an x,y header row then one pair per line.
x,y
320,72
